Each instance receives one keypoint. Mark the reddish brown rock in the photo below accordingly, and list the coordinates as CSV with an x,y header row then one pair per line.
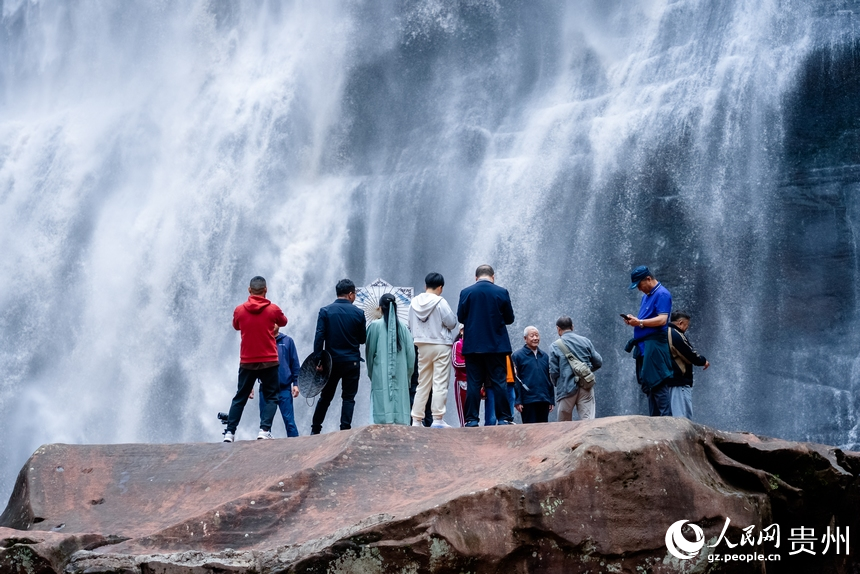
x,y
596,496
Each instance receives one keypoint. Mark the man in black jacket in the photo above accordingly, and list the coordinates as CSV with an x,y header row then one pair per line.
x,y
341,330
485,309
684,356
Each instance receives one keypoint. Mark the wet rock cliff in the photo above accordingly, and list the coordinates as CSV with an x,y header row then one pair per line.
x,y
560,497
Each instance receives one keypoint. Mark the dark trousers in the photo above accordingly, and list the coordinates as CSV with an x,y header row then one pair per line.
x,y
348,375
660,401
269,388
489,369
659,397
535,413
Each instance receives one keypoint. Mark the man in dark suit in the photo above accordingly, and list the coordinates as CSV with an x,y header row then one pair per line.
x,y
485,309
340,330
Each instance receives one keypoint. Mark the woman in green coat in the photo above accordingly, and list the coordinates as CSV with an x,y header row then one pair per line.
x,y
390,356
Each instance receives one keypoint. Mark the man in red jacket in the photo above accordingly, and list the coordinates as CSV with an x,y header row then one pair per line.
x,y
256,319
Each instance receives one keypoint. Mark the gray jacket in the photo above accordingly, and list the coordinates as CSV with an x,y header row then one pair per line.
x,y
560,372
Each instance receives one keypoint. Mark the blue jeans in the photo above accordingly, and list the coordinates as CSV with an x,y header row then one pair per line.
x,y
489,413
285,404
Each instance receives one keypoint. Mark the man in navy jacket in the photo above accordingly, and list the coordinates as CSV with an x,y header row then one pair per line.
x,y
340,330
485,309
535,394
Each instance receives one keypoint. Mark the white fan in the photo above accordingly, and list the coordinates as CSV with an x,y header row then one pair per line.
x,y
367,299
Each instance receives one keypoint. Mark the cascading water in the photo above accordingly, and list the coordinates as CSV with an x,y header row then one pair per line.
x,y
155,156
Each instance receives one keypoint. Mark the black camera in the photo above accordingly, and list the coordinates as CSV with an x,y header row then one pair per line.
x,y
223,418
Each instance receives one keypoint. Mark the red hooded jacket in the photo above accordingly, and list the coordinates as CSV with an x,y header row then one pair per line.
x,y
256,319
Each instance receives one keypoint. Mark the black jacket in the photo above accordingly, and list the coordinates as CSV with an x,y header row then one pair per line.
x,y
485,309
683,377
340,326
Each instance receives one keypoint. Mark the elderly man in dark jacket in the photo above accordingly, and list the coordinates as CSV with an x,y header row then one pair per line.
x,y
535,398
485,309
684,357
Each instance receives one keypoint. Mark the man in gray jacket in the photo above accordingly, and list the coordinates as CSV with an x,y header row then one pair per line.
x,y
568,393
432,322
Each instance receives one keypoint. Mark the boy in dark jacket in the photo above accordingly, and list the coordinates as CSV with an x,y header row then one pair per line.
x,y
288,376
684,356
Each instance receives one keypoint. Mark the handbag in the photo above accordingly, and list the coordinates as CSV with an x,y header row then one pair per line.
x,y
580,369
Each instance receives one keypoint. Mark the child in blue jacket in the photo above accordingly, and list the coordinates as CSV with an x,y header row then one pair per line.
x,y
288,375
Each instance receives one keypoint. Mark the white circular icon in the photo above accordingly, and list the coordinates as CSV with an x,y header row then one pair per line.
x,y
679,546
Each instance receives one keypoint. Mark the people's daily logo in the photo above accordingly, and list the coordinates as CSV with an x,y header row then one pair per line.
x,y
678,544
751,547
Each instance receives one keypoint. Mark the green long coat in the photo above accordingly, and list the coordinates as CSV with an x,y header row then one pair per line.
x,y
390,372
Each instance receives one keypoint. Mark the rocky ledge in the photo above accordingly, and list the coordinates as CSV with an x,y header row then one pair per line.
x,y
594,496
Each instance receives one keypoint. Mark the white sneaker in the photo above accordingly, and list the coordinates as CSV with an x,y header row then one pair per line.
x,y
439,424
264,434
228,436
417,423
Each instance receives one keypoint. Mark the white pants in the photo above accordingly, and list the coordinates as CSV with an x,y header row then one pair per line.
x,y
583,401
434,371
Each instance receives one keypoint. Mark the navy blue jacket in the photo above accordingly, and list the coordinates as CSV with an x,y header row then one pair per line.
x,y
484,310
532,372
340,328
288,362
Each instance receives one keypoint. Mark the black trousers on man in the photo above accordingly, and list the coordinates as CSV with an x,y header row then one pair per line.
x,y
269,388
535,413
490,370
347,374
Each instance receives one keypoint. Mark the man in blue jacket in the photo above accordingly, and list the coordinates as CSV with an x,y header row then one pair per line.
x,y
341,331
535,398
288,376
485,309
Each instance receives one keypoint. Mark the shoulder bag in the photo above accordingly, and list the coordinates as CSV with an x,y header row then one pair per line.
x,y
580,369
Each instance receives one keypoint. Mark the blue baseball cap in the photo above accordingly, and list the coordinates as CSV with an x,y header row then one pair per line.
x,y
638,275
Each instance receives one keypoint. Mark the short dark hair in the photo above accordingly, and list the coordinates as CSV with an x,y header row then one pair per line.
x,y
679,315
564,323
434,280
257,284
484,271
344,287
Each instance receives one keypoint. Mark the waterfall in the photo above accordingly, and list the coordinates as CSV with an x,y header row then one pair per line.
x,y
155,156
